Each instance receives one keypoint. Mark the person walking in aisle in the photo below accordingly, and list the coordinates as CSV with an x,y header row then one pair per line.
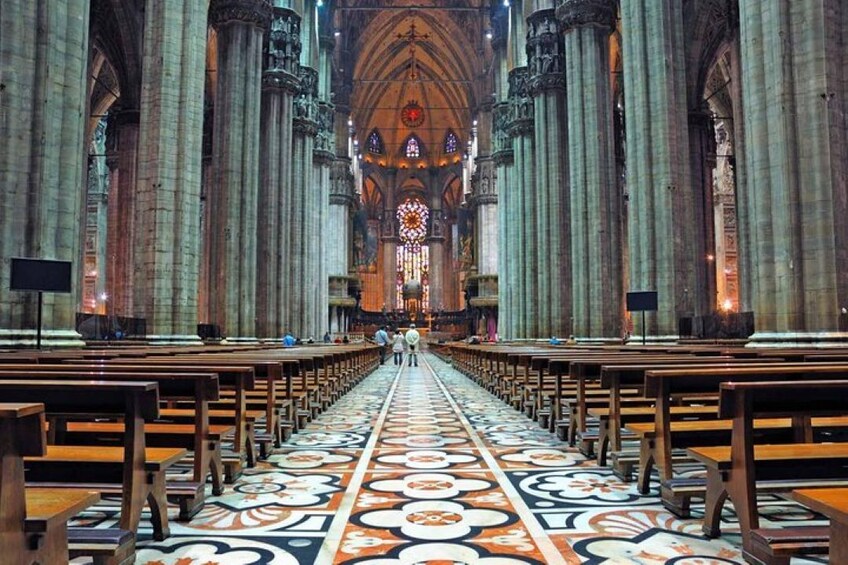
x,y
412,338
381,338
397,347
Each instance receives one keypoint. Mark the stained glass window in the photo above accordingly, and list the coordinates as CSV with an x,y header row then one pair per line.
x,y
451,142
375,143
413,256
413,148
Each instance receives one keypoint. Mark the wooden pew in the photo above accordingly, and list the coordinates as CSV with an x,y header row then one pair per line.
x,y
33,522
739,470
833,503
200,437
233,379
140,471
657,442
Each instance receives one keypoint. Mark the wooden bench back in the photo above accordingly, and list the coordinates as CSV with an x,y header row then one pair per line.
x,y
783,399
695,381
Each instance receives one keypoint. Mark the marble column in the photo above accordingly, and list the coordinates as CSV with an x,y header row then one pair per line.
x,y
795,66
122,206
662,239
234,192
279,86
702,154
436,242
167,242
596,262
389,241
523,183
484,198
502,159
42,157
301,276
552,235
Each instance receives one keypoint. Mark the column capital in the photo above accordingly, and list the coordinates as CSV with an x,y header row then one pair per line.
x,y
484,188
342,183
578,13
256,12
544,52
521,113
306,104
282,80
283,42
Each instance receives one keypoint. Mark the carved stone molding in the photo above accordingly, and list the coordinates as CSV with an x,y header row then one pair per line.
x,y
576,13
256,12
282,80
283,42
544,52
504,157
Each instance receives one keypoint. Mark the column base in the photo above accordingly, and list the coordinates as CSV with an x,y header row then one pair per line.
x,y
239,340
653,339
49,338
174,340
798,339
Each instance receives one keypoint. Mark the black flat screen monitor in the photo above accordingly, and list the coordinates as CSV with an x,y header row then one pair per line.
x,y
42,275
642,301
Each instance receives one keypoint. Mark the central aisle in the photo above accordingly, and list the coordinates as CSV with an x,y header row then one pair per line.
x,y
420,465
430,488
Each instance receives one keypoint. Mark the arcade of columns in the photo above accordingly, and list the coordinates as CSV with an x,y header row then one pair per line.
x,y
238,238
549,191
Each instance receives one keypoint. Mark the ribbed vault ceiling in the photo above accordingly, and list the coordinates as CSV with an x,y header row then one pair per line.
x,y
448,62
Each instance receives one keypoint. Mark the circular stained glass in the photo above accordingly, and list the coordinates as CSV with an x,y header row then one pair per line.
x,y
412,216
412,115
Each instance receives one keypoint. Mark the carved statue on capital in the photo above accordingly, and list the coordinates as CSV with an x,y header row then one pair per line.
x,y
326,139
256,12
576,13
520,101
283,41
306,102
544,52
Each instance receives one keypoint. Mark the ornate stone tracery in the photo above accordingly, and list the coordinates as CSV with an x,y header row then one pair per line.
x,y
257,12
576,13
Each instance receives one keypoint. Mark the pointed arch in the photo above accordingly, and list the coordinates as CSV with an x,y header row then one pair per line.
x,y
451,143
374,143
413,147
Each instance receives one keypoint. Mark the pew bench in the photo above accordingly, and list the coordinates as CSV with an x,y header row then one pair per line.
x,y
742,469
133,470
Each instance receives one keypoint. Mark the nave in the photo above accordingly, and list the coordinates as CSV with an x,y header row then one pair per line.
x,y
422,464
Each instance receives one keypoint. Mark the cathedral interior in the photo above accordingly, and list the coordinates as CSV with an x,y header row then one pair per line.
x,y
231,171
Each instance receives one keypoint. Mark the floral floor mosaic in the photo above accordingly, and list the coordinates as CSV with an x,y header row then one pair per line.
x,y
419,465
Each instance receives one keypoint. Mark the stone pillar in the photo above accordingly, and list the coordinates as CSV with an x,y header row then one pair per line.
x,y
661,235
301,276
168,196
596,263
235,187
552,234
796,158
436,242
389,240
122,206
502,159
484,199
338,228
279,86
702,154
42,157
521,127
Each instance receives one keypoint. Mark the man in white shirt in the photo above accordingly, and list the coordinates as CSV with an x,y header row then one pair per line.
x,y
412,338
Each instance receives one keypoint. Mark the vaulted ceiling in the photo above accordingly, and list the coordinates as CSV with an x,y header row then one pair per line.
x,y
449,57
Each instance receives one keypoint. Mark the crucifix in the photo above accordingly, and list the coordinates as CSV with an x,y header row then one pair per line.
x,y
413,37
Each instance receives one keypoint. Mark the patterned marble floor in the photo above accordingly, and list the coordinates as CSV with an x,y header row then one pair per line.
x,y
419,465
